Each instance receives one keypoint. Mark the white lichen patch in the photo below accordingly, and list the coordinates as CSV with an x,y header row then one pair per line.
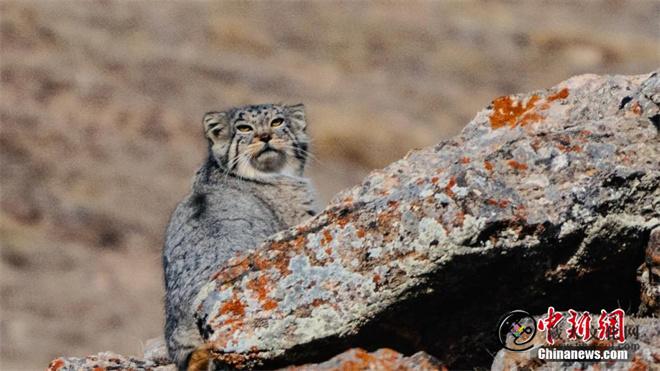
x,y
210,297
460,192
443,199
322,321
356,244
413,265
558,163
375,252
308,283
430,233
469,230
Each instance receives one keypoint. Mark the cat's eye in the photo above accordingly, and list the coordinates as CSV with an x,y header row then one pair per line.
x,y
244,128
277,122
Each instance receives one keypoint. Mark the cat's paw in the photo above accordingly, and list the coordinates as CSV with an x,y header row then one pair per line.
x,y
201,359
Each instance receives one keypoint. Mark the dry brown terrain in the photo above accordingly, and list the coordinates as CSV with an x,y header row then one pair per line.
x,y
101,106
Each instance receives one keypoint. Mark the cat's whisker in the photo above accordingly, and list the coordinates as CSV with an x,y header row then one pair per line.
x,y
310,155
245,159
234,161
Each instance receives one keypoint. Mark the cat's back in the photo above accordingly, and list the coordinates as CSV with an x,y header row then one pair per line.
x,y
226,215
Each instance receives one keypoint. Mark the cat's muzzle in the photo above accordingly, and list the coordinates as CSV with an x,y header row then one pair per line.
x,y
269,159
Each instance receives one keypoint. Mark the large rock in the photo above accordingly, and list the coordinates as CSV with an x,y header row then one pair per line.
x,y
544,199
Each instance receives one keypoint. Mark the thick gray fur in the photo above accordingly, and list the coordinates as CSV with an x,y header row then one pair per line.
x,y
225,214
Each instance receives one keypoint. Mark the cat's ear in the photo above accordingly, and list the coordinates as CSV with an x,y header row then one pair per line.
x,y
215,124
296,115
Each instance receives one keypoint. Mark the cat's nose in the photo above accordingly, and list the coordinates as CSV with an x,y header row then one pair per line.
x,y
265,137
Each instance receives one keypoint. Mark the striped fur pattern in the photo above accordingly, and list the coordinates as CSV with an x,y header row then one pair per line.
x,y
244,193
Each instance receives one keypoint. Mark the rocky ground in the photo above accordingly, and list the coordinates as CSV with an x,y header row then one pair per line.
x,y
101,104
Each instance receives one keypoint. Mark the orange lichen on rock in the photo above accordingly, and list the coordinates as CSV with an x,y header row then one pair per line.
x,y
316,302
386,218
327,237
299,242
385,221
506,111
449,186
536,144
517,165
488,165
259,286
358,359
232,271
564,148
562,94
280,246
465,160
56,364
638,364
387,359
234,306
260,263
500,203
280,261
460,218
269,304
361,233
529,118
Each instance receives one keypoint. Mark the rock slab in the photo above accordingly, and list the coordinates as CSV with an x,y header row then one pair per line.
x,y
545,198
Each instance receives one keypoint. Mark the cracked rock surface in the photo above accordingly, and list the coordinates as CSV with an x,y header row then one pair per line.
x,y
546,198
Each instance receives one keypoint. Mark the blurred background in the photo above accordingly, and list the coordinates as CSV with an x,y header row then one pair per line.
x,y
101,111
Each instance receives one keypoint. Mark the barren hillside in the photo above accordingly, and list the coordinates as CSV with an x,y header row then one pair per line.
x,y
101,105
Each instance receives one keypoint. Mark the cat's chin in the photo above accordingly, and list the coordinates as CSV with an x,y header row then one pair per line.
x,y
269,161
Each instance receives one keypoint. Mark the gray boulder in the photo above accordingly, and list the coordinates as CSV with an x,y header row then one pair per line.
x,y
546,198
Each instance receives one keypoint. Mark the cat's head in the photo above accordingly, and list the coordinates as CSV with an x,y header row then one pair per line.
x,y
259,141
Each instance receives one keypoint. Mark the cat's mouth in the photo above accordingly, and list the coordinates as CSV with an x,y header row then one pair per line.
x,y
267,150
269,159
